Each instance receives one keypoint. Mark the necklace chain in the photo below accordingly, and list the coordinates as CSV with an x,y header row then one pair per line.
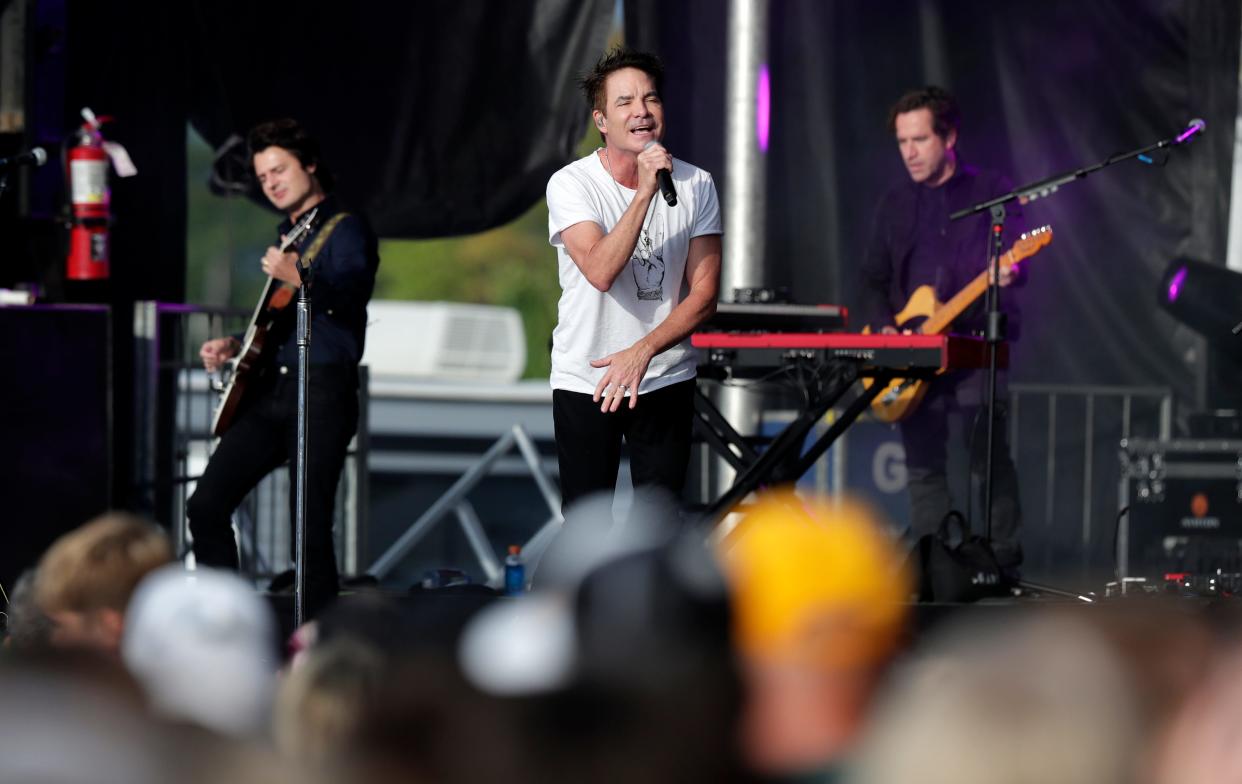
x,y
615,184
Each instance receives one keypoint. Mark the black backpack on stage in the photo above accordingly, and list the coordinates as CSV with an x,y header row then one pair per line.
x,y
961,572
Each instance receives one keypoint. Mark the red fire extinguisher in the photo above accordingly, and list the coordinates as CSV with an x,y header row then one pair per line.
x,y
91,202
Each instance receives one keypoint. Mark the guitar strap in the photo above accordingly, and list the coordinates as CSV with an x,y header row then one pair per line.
x,y
317,244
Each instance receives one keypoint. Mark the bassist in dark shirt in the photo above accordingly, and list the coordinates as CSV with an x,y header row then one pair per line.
x,y
915,244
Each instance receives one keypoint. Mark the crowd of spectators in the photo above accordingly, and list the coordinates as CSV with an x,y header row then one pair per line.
x,y
780,647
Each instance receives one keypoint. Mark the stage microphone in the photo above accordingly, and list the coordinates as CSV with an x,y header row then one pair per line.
x,y
1196,126
36,156
665,178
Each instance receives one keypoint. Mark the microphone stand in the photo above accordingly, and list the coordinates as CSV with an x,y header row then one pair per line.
x,y
299,517
995,330
994,335
1048,186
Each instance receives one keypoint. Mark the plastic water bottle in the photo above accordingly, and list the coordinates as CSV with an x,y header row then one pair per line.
x,y
515,572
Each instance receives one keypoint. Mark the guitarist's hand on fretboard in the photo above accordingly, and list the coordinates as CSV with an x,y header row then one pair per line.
x,y
281,266
1008,275
217,351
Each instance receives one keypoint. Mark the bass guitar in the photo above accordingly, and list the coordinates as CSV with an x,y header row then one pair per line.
x,y
245,366
903,395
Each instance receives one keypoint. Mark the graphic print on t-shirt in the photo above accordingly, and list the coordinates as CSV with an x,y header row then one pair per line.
x,y
647,261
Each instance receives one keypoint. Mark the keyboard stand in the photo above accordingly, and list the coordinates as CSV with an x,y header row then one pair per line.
x,y
783,461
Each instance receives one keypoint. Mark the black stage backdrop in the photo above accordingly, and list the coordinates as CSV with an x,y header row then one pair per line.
x,y
1044,87
439,117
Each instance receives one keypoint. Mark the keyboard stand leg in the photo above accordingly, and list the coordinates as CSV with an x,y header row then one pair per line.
x,y
720,435
788,445
856,408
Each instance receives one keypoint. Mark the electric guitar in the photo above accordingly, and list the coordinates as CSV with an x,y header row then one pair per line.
x,y
903,395
245,366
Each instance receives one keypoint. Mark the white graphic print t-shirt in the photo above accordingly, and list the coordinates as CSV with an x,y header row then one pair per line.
x,y
591,324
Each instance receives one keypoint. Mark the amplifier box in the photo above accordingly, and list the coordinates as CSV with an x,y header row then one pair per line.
x,y
1185,507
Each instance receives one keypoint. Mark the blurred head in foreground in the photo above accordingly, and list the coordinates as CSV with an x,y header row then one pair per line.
x,y
67,718
1036,697
203,646
819,599
619,660
26,626
320,704
85,579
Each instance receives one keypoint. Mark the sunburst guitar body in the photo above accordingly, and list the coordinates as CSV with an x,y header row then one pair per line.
x,y
926,315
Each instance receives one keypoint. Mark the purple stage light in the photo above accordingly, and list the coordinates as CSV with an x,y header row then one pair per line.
x,y
1175,285
763,108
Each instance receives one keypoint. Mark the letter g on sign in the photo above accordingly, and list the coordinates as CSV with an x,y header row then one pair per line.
x,y
888,468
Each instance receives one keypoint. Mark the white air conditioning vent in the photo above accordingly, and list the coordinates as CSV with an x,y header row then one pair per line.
x,y
444,340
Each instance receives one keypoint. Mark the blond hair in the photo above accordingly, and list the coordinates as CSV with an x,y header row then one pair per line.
x,y
98,565
321,704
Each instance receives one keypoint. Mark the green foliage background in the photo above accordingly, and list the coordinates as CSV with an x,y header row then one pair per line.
x,y
511,265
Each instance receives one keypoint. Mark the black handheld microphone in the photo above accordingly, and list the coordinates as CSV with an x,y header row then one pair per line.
x,y
665,178
36,156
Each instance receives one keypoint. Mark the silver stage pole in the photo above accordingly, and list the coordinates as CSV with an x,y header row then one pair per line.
x,y
743,198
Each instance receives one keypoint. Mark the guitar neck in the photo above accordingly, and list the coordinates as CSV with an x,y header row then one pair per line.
x,y
299,229
939,321
262,304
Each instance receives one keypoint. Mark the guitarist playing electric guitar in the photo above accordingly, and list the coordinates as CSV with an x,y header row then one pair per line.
x,y
257,421
915,249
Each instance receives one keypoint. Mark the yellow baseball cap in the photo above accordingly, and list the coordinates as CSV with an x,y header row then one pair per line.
x,y
815,582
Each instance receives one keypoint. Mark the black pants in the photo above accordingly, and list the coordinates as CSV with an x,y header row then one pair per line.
x,y
588,442
925,435
264,437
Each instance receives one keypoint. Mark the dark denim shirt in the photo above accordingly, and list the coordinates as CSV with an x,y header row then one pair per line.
x,y
342,279
913,243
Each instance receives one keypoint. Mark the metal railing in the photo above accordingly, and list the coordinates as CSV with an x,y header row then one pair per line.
x,y
455,501
1065,441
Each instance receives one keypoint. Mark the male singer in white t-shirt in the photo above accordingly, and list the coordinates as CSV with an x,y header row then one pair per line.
x,y
637,275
